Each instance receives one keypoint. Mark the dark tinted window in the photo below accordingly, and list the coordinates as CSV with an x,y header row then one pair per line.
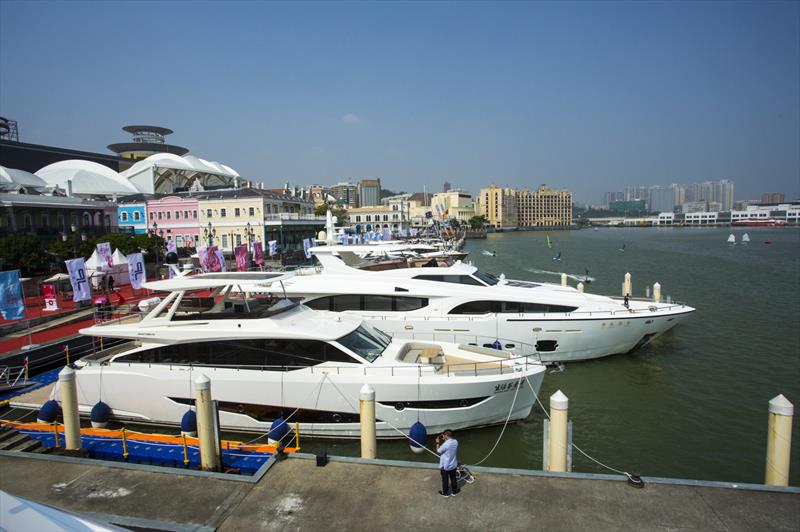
x,y
484,307
487,278
367,302
457,279
258,352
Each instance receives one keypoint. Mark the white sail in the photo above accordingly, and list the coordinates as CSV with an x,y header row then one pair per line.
x,y
731,239
745,238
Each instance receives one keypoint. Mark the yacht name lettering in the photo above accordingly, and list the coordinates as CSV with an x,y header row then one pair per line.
x,y
505,387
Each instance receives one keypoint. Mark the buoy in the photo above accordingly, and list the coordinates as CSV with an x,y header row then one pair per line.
x,y
417,437
49,412
189,423
277,431
101,413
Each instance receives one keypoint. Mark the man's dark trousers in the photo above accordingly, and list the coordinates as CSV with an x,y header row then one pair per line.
x,y
453,484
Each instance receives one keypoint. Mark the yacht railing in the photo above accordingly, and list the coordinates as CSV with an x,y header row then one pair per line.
x,y
439,369
12,376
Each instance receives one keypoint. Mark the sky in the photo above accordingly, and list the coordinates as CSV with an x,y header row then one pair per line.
x,y
588,96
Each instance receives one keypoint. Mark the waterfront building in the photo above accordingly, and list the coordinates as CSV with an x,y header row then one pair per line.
x,y
175,218
773,197
318,194
693,206
544,207
393,216
132,214
628,205
700,218
609,197
49,217
242,215
788,212
455,204
147,141
499,206
346,193
369,192
665,199
86,179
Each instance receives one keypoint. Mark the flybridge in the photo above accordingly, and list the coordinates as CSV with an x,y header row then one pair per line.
x,y
217,280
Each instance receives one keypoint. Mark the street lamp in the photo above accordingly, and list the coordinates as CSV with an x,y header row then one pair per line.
x,y
250,234
209,232
158,254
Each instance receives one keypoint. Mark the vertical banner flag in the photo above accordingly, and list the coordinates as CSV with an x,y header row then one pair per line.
x,y
172,247
222,265
273,247
240,252
413,231
306,247
104,251
12,306
202,257
258,253
49,296
387,234
78,279
136,270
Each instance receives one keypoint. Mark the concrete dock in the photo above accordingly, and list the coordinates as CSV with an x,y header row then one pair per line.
x,y
351,494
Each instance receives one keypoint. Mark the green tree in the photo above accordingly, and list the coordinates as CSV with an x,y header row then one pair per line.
x,y
478,222
339,212
23,252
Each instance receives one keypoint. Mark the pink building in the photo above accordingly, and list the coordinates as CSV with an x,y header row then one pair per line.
x,y
173,217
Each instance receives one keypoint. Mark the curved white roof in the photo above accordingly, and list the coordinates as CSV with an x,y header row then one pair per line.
x,y
187,162
20,177
88,178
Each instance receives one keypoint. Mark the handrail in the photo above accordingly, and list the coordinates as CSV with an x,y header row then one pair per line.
x,y
452,369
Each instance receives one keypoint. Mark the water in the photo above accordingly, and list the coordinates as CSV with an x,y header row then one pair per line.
x,y
693,404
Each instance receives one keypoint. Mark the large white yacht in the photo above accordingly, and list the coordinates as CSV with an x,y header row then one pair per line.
x,y
267,356
458,303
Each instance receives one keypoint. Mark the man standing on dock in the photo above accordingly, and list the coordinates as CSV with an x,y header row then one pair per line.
x,y
447,446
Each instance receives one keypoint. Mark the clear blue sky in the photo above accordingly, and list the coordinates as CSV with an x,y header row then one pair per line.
x,y
589,96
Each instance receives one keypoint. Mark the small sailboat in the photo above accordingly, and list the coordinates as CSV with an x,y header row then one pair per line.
x,y
623,247
745,238
549,244
558,256
731,239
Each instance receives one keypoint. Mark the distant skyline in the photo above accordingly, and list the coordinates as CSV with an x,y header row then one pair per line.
x,y
589,96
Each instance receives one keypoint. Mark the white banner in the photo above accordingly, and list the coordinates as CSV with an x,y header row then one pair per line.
x,y
306,247
221,259
273,248
136,270
78,279
104,251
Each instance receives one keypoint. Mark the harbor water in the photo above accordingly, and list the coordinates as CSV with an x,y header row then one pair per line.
x,y
693,403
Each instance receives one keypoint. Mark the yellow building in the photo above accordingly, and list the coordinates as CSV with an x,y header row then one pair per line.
x,y
228,216
456,203
544,207
499,206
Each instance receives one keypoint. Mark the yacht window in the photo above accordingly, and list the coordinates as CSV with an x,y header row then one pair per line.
x,y
477,307
457,279
258,353
485,307
487,278
345,302
365,343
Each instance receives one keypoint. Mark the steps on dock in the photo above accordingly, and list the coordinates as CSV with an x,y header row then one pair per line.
x,y
14,440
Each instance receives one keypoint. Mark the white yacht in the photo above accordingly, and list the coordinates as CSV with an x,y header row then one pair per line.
x,y
459,303
268,356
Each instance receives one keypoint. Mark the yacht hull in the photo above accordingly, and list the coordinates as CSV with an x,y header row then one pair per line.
x,y
249,400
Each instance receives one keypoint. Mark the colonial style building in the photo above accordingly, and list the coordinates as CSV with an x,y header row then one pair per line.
x,y
499,206
544,207
175,218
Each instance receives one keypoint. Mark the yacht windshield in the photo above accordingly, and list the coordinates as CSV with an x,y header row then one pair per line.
x,y
366,341
487,278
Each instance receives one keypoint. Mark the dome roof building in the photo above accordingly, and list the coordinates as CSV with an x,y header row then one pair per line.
x,y
86,178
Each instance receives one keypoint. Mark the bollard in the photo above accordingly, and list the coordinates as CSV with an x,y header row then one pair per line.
x,y
563,279
557,446
779,441
580,287
657,293
627,286
69,408
209,459
367,404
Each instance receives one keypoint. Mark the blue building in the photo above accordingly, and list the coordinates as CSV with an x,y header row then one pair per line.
x,y
132,215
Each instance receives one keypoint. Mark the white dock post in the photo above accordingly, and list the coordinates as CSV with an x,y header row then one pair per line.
x,y
779,441
367,404
563,279
209,459
69,408
657,293
557,446
627,286
580,287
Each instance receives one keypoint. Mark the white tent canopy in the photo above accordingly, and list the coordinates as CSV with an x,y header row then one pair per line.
x,y
12,176
87,178
119,271
165,172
